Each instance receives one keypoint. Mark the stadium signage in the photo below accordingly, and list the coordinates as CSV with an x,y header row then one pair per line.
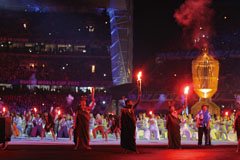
x,y
65,83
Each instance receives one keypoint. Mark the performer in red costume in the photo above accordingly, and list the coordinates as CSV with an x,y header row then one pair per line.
x,y
81,124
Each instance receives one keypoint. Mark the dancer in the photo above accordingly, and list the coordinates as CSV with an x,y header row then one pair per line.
x,y
92,124
37,126
17,123
70,126
153,128
49,124
128,124
203,125
113,124
81,123
99,126
173,126
63,128
237,129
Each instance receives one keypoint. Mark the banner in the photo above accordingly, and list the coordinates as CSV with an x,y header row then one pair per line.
x,y
65,83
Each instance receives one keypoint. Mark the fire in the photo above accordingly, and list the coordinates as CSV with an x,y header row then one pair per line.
x,y
59,112
4,109
186,90
226,113
139,75
150,112
35,109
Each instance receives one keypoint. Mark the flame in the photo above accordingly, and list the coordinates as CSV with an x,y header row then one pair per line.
x,y
4,109
226,113
59,112
139,75
186,90
150,112
35,109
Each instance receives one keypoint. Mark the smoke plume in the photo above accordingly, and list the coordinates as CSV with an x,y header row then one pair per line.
x,y
195,16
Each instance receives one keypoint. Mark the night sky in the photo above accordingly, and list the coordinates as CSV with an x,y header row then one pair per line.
x,y
155,28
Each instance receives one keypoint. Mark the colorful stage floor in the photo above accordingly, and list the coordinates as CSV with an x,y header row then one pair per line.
x,y
99,141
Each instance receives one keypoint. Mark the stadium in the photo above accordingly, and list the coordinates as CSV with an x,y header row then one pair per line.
x,y
52,54
57,50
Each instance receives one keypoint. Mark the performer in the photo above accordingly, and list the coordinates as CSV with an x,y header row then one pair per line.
x,y
63,130
153,128
49,124
128,124
37,126
173,127
70,126
113,124
99,126
17,123
237,129
29,122
81,123
92,124
4,140
203,125
140,125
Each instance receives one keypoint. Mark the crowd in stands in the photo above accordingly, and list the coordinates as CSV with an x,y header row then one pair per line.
x,y
20,100
62,33
56,69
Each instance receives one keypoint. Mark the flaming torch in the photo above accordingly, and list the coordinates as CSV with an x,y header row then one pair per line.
x,y
59,112
186,91
35,109
139,80
4,109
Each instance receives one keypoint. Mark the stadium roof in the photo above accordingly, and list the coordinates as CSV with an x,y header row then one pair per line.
x,y
60,4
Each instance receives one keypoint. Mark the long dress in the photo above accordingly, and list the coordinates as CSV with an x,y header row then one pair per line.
x,y
174,138
82,128
6,135
128,128
237,125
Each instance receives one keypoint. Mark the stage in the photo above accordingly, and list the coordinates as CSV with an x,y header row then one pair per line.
x,y
99,141
34,149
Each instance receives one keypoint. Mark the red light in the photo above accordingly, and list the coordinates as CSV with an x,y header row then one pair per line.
x,y
59,112
4,109
139,75
35,109
226,113
186,90
150,112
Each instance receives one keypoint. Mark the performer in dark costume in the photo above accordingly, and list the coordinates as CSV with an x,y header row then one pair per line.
x,y
81,124
128,125
173,127
237,129
203,125
49,124
7,136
